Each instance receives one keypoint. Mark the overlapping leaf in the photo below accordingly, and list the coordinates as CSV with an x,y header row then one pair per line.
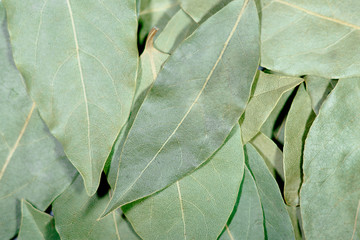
x,y
276,218
80,69
36,224
207,84
76,216
32,163
311,37
197,206
268,89
330,197
297,125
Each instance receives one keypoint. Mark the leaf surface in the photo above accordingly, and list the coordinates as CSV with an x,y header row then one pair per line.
x,y
330,194
207,84
79,62
246,221
268,90
297,125
197,206
32,163
76,216
36,224
276,218
311,37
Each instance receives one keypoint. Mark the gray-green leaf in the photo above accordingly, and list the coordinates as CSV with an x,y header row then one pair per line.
x,y
197,206
246,221
76,216
276,218
330,196
318,38
36,225
79,61
268,90
297,125
206,81
32,163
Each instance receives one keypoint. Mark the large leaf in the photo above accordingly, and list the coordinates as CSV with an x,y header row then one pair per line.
x,y
276,218
197,206
268,90
79,61
32,163
318,89
196,100
297,125
200,8
246,221
76,216
177,29
311,37
330,196
36,224
151,61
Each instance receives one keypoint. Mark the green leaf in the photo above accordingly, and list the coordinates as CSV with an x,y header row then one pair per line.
x,y
200,8
268,90
318,89
246,221
155,13
294,213
36,224
207,84
197,206
151,61
32,163
80,69
179,27
311,37
271,154
330,195
297,125
276,218
76,216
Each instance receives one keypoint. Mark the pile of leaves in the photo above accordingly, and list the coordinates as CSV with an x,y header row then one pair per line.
x,y
179,119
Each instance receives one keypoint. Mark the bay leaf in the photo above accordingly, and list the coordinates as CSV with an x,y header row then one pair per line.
x,y
317,38
36,224
197,206
330,197
187,90
33,164
79,61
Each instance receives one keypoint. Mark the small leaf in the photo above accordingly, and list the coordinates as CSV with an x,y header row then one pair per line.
x,y
36,224
76,216
246,221
197,206
330,197
268,90
194,86
79,67
271,154
318,89
32,163
297,125
311,37
276,218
